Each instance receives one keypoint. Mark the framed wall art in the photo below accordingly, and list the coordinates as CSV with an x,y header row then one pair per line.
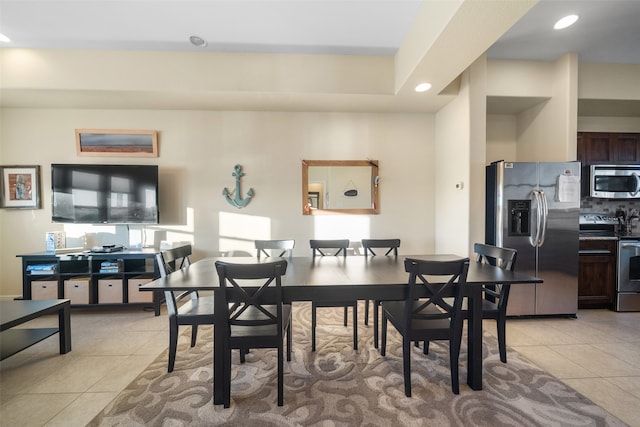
x,y
122,143
20,187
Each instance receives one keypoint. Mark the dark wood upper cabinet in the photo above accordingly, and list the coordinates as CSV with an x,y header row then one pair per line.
x,y
626,147
608,147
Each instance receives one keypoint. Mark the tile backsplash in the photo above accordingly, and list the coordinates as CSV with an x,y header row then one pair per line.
x,y
608,206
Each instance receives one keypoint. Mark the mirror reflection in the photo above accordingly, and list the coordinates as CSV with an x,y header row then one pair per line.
x,y
339,186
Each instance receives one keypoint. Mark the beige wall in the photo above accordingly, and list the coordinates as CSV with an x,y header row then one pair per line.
x,y
609,81
460,165
198,150
501,137
609,124
452,173
547,132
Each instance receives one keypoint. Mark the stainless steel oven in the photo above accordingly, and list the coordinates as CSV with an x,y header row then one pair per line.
x,y
628,284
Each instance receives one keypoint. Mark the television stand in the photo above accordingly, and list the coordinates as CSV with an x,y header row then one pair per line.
x,y
92,279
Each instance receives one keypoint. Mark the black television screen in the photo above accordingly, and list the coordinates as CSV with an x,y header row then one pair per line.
x,y
104,194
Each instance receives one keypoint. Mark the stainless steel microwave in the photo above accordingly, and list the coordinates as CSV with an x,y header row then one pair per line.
x,y
615,181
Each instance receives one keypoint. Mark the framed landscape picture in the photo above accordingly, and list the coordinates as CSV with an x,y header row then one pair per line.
x,y
122,143
20,187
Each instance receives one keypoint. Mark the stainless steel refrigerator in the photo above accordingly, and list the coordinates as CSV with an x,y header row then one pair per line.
x,y
535,208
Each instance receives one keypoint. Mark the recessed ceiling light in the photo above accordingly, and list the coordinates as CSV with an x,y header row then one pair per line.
x,y
4,39
565,22
198,41
423,87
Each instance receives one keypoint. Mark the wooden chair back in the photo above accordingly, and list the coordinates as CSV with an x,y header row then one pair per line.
x,y
391,245
170,260
494,255
249,288
500,257
432,300
284,246
340,244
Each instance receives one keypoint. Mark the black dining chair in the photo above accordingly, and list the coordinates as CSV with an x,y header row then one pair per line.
x,y
282,247
429,317
496,296
391,245
325,248
183,308
256,316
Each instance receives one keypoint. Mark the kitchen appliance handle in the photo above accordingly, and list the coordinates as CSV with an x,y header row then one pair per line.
x,y
534,240
595,252
630,245
633,193
545,217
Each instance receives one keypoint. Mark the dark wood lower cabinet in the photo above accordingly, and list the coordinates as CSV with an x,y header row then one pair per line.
x,y
597,273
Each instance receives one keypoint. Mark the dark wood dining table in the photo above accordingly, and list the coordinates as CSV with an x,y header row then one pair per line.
x,y
344,278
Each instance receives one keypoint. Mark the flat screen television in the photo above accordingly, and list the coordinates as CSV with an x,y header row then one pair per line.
x,y
104,194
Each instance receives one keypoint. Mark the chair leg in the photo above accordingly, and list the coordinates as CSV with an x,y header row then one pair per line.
x,y
355,326
173,344
243,352
366,312
454,353
375,324
194,335
425,347
345,315
313,327
502,339
227,376
383,342
406,365
280,375
289,342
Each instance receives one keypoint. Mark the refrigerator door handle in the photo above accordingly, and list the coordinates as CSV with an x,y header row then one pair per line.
x,y
545,217
534,240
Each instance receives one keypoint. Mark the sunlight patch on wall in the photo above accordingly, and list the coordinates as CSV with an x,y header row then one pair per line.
x,y
154,235
352,227
238,231
88,235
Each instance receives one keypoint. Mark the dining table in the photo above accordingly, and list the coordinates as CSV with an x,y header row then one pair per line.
x,y
340,278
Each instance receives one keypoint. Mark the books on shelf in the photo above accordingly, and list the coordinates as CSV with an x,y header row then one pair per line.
x,y
109,267
42,269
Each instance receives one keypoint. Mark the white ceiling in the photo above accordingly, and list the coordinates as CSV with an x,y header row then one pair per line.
x,y
608,30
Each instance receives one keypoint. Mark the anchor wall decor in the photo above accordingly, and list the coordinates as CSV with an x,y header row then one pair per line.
x,y
237,201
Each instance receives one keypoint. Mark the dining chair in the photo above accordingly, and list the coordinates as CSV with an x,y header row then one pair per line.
x,y
256,316
391,245
325,248
284,246
197,310
496,296
429,317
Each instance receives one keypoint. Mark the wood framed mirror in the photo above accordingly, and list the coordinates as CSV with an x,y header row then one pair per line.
x,y
339,186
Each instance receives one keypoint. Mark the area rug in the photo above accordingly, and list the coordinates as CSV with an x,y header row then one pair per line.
x,y
337,386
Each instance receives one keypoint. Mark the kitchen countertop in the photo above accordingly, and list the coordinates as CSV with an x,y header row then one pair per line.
x,y
597,237
608,236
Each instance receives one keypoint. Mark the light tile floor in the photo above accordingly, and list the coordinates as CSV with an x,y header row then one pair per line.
x,y
597,354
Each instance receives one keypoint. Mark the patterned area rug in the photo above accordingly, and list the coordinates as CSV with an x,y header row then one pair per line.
x,y
336,386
